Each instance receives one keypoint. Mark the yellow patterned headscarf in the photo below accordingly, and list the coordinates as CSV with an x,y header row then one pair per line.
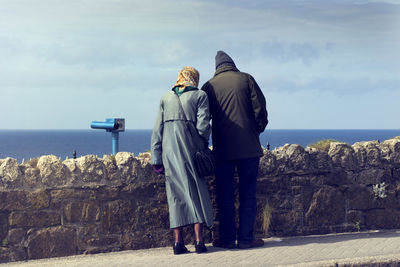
x,y
187,76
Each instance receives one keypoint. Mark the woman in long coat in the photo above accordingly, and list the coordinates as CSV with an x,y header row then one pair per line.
x,y
173,143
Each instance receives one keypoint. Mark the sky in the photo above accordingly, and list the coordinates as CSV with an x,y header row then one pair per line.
x,y
320,64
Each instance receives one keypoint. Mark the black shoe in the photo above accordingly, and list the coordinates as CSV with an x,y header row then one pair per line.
x,y
200,247
250,244
180,249
220,244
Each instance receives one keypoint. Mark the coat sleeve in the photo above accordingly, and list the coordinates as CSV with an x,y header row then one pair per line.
x,y
207,88
156,137
259,105
203,117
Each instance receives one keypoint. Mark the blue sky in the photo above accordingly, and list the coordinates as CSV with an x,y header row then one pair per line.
x,y
321,64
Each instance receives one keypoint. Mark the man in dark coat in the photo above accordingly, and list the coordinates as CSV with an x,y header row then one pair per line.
x,y
239,115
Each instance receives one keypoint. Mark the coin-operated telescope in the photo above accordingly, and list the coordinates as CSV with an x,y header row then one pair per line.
x,y
111,125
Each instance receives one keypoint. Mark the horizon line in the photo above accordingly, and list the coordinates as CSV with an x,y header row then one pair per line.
x,y
149,129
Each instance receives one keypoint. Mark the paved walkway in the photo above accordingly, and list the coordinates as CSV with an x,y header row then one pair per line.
x,y
358,249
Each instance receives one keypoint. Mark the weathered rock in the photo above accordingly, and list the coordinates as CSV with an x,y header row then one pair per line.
x,y
292,159
73,193
327,207
372,176
51,242
125,162
343,156
286,222
53,171
92,169
267,163
368,154
3,226
23,200
16,237
360,198
268,185
144,158
9,173
382,219
34,219
145,174
104,241
320,162
12,254
114,176
79,211
117,216
391,151
32,177
357,218
337,178
86,233
75,172
303,196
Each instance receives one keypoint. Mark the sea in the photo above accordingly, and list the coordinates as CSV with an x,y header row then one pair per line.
x,y
26,144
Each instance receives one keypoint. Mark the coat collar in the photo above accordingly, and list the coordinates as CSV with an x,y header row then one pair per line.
x,y
186,89
225,69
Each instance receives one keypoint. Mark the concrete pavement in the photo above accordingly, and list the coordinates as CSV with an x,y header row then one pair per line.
x,y
375,248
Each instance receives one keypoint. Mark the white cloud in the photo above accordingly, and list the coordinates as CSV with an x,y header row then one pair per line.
x,y
123,47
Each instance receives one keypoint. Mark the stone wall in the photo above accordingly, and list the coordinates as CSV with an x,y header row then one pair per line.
x,y
50,207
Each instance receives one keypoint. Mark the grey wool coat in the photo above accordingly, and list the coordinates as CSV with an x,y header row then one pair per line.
x,y
171,145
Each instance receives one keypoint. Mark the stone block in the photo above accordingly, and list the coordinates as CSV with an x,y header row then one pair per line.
x,y
327,207
73,193
286,222
338,177
16,237
85,233
292,158
32,177
360,198
368,154
357,218
343,156
8,254
267,163
396,174
74,170
105,241
382,219
126,162
3,226
10,174
268,185
114,175
390,150
79,211
92,169
372,176
320,161
142,192
23,200
117,216
37,219
52,171
51,242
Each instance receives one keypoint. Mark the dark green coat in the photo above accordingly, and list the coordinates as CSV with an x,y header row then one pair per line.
x,y
238,113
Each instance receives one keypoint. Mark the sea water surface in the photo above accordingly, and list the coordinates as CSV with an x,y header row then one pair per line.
x,y
26,144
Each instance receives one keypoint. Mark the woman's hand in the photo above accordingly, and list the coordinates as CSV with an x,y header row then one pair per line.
x,y
159,168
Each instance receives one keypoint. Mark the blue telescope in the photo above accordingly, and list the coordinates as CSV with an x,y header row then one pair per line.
x,y
111,125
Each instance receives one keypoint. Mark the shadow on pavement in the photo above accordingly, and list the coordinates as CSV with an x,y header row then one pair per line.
x,y
330,238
